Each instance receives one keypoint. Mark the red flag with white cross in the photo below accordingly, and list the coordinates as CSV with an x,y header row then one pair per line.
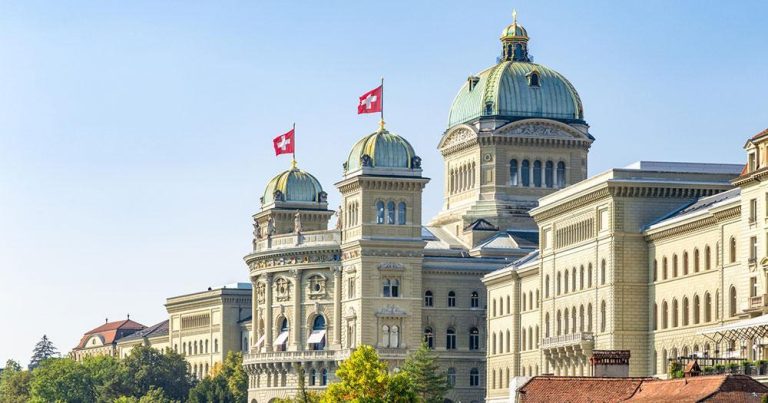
x,y
285,143
372,101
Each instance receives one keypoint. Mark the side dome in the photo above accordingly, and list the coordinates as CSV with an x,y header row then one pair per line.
x,y
516,88
293,185
382,149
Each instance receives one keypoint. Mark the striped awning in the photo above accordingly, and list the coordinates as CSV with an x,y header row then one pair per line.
x,y
746,329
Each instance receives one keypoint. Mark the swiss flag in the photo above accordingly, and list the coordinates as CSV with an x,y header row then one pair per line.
x,y
284,143
371,101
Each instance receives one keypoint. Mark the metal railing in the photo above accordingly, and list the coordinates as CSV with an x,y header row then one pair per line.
x,y
567,339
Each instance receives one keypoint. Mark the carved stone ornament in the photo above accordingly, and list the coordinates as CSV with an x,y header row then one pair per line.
x,y
366,160
390,266
391,311
538,129
322,197
458,137
416,162
278,195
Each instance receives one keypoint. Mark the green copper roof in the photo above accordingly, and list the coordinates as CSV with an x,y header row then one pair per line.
x,y
506,90
294,185
385,149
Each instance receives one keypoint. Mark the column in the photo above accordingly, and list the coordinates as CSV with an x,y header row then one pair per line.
x,y
298,318
254,313
268,313
337,307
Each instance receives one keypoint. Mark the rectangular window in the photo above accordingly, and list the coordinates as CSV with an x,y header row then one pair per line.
x,y
752,162
753,286
753,249
351,288
753,210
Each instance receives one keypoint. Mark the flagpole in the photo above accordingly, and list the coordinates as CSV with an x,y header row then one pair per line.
x,y
293,154
381,124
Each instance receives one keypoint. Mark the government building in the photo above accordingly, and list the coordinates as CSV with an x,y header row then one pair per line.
x,y
529,268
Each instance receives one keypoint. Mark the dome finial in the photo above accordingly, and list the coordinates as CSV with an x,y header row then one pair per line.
x,y
293,163
514,16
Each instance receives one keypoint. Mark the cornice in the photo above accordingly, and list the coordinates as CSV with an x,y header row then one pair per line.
x,y
598,193
752,178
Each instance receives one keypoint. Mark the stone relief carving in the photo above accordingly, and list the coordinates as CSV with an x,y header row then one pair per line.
x,y
391,310
459,136
537,129
391,266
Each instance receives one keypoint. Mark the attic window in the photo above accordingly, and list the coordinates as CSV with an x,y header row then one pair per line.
x,y
533,79
473,80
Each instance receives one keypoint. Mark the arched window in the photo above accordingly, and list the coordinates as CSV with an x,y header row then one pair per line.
x,y
493,343
522,299
451,299
707,258
380,212
603,316
429,337
707,307
685,263
565,282
559,323
537,173
581,318
573,320
674,266
428,301
474,301
686,309
581,277
493,312
317,337
546,325
312,377
450,339
525,173
549,174
452,376
522,343
602,272
565,321
589,275
323,377
474,339
589,317
696,310
674,312
561,174
401,213
655,270
474,377
546,286
558,283
573,280
533,77
732,301
655,323
696,260
664,268
390,212
732,254
514,178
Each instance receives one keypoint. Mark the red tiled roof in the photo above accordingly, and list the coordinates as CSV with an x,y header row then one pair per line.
x,y
578,389
714,388
109,331
721,388
760,135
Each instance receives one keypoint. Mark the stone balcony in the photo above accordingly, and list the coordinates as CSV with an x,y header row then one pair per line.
x,y
580,340
758,303
296,356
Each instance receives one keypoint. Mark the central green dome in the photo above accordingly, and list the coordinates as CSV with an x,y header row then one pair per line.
x,y
516,88
381,149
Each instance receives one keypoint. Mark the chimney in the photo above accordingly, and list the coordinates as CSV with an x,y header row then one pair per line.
x,y
610,363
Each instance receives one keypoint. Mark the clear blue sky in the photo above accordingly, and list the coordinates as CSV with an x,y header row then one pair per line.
x,y
135,137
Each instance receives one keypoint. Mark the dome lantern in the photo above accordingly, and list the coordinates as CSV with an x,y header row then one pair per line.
x,y
514,42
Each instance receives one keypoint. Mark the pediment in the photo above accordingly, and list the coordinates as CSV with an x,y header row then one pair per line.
x,y
538,128
457,135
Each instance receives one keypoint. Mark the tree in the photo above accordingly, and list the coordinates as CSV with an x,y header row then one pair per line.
x,y
107,375
211,389
237,380
430,383
43,350
401,389
14,383
228,383
61,379
363,377
146,368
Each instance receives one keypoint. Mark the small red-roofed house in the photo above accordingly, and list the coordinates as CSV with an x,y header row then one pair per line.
x,y
103,339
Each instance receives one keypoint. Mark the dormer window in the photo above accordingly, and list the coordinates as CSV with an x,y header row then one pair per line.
x,y
533,79
473,80
752,162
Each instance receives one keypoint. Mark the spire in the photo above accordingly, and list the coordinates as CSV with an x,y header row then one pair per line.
x,y
514,42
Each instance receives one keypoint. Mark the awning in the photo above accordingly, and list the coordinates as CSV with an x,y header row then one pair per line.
x,y
261,340
281,338
741,330
316,336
